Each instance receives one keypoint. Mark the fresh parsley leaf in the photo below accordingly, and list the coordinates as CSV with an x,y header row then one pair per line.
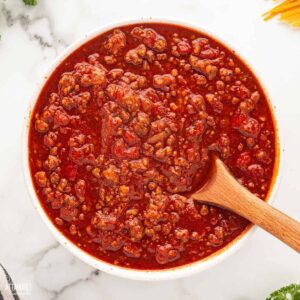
x,y
30,2
290,292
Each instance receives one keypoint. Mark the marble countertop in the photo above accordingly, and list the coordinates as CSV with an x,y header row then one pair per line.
x,y
30,40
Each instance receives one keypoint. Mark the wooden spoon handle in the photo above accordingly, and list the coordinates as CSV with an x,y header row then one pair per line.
x,y
225,191
270,219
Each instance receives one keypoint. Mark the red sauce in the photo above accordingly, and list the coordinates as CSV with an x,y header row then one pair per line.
x,y
125,128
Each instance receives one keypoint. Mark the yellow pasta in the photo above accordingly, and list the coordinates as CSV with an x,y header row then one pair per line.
x,y
288,11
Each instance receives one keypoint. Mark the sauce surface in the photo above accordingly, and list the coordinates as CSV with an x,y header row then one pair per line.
x,y
124,129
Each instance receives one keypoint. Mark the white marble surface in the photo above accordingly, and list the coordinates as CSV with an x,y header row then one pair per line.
x,y
30,40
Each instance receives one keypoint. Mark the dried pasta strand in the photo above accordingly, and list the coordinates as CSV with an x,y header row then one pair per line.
x,y
288,11
295,23
285,6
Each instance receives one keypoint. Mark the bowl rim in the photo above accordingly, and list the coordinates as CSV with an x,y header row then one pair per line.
x,y
140,274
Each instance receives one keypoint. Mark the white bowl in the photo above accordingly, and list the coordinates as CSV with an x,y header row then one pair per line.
x,y
171,273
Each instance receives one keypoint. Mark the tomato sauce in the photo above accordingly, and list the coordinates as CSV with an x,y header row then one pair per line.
x,y
125,128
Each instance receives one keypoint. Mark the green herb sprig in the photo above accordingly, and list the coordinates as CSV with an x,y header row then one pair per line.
x,y
30,2
290,292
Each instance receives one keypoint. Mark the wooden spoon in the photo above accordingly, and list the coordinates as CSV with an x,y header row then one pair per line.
x,y
223,190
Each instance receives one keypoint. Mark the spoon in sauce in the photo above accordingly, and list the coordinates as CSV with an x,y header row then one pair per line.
x,y
223,190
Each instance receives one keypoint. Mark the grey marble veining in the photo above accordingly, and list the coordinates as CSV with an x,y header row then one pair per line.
x,y
37,27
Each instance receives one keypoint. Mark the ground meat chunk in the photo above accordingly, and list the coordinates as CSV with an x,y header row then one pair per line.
x,y
215,103
216,239
246,125
41,126
263,157
141,124
196,130
159,137
68,103
61,118
243,160
136,55
131,137
199,44
154,212
163,82
150,38
110,241
111,174
115,74
224,146
123,151
132,250
64,186
104,221
166,253
41,178
163,154
115,42
48,113
163,124
139,165
66,83
197,101
54,178
80,188
124,190
81,155
145,99
90,74
226,74
77,140
136,229
79,101
199,79
209,52
69,210
68,214
204,66
110,59
202,48
241,91
52,162
182,48
136,82
110,124
149,94
256,171
50,139
124,96
182,235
